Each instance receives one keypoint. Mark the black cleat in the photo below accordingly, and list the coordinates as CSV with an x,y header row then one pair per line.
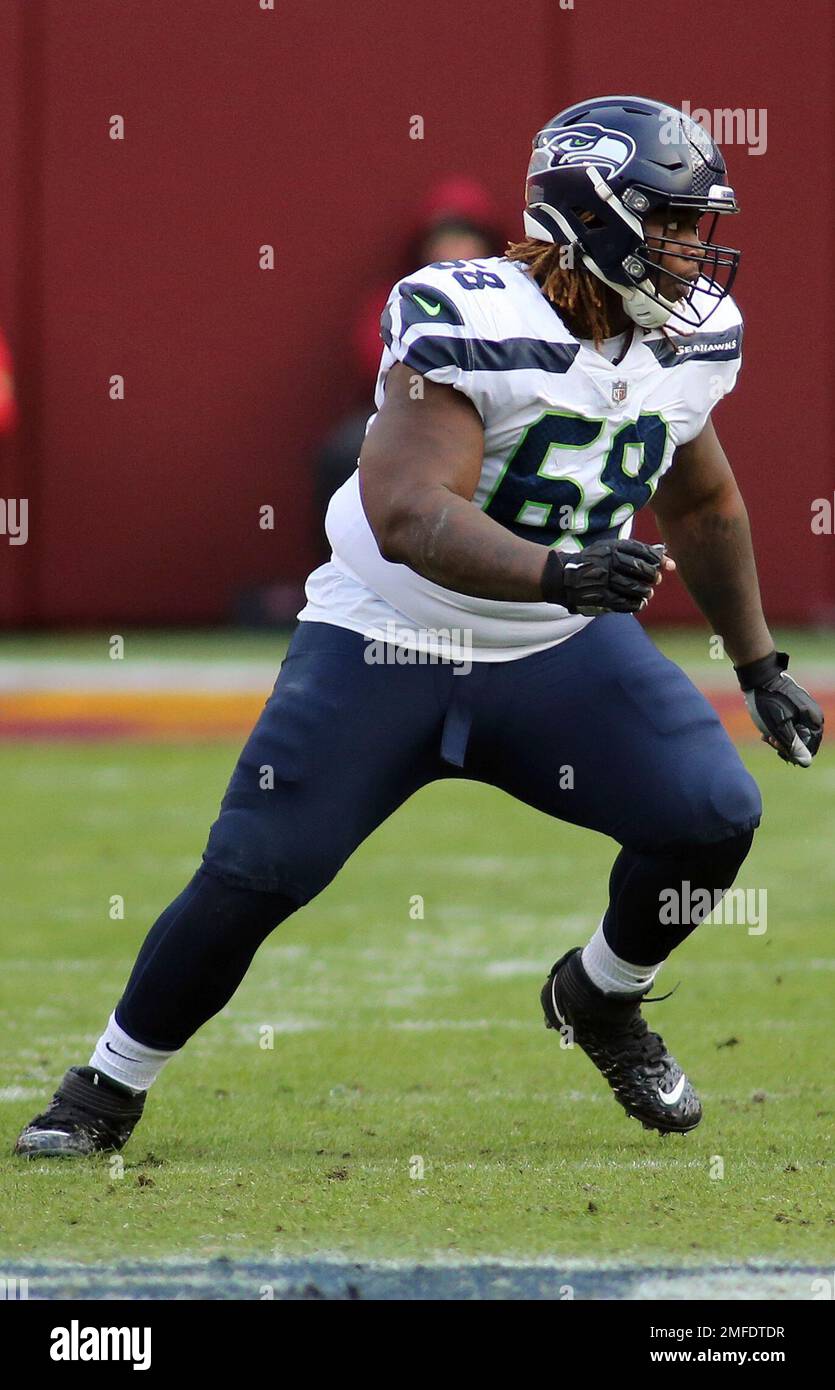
x,y
647,1081
89,1114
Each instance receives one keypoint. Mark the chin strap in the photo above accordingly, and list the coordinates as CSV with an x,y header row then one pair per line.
x,y
646,312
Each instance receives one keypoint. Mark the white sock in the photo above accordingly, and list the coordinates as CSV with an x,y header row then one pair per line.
x,y
122,1059
610,973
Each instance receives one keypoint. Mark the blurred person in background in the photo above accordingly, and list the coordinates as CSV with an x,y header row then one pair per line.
x,y
8,404
457,220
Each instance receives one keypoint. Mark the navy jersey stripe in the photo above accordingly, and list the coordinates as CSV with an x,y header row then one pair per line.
x,y
483,355
698,347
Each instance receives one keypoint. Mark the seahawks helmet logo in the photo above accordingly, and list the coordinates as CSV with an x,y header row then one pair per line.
x,y
582,145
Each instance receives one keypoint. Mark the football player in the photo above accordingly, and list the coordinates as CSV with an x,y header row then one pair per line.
x,y
527,407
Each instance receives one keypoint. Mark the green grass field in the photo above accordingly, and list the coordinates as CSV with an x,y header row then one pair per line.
x,y
412,1105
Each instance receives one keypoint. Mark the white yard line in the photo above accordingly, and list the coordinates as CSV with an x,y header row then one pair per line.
x,y
435,1277
92,677
234,676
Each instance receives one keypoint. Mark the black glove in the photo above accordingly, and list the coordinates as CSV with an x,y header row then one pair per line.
x,y
606,577
785,714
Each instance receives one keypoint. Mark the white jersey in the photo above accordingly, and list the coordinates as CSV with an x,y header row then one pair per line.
x,y
574,445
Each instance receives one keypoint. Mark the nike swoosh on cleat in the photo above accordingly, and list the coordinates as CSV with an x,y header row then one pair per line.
x,y
562,1021
673,1096
427,308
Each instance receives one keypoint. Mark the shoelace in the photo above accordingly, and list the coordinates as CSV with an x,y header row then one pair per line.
x,y
659,998
633,1040
61,1109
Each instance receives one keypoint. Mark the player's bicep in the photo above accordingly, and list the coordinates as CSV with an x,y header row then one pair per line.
x,y
699,476
424,437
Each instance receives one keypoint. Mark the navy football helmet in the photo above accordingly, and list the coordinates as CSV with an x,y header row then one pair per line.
x,y
598,168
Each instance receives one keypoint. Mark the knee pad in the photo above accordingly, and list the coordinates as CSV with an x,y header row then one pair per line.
x,y
731,807
270,854
717,802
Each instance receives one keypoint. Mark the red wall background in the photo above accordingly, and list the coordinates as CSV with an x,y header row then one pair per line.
x,y
290,126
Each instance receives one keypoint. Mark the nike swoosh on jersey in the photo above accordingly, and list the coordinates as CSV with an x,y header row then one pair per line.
x,y
427,308
673,1096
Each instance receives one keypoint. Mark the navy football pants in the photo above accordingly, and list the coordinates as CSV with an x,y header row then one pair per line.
x,y
602,731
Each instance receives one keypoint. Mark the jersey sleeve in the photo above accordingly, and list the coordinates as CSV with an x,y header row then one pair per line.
x,y
709,362
433,323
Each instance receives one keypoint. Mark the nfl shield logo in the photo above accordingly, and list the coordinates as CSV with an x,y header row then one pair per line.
x,y
618,392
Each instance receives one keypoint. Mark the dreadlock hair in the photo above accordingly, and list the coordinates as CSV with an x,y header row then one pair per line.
x,y
575,292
